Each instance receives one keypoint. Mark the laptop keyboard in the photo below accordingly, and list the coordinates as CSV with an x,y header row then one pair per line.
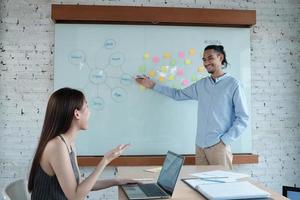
x,y
152,190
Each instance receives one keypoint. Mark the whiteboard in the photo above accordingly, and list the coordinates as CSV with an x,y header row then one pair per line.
x,y
101,60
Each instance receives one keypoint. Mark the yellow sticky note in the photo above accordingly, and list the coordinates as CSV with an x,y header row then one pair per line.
x,y
161,79
151,73
146,55
187,61
201,69
192,51
167,55
164,68
171,78
142,88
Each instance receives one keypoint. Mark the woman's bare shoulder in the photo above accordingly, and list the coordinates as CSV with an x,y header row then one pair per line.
x,y
56,145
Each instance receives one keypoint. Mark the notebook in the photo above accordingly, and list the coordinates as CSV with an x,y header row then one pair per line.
x,y
165,184
225,191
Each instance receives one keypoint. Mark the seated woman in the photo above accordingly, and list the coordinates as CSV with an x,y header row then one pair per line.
x,y
54,173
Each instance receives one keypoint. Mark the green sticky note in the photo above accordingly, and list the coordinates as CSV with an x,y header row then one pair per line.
x,y
142,69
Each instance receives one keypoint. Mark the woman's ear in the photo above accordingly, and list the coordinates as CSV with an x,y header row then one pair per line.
x,y
76,114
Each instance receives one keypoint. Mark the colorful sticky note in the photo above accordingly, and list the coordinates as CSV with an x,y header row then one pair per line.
x,y
151,73
181,54
142,69
155,59
167,55
173,70
192,51
194,78
173,62
171,78
185,82
201,69
164,68
146,56
176,86
180,72
142,88
161,79
187,61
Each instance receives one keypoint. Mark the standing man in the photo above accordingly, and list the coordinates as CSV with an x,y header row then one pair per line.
x,y
222,108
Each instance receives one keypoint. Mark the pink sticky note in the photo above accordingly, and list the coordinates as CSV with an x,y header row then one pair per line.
x,y
180,72
155,59
185,82
181,54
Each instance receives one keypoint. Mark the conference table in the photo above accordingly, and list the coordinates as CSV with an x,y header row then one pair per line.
x,y
181,191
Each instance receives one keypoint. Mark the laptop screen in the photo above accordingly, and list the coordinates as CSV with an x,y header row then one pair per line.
x,y
170,171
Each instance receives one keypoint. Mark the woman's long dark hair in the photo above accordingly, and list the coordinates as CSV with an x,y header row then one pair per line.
x,y
218,49
58,119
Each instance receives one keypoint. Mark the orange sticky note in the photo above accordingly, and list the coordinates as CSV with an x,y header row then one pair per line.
x,y
151,73
192,51
161,79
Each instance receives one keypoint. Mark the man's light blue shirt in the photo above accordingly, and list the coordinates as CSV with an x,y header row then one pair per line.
x,y
222,108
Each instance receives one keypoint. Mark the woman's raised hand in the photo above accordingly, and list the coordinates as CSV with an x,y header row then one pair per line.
x,y
114,153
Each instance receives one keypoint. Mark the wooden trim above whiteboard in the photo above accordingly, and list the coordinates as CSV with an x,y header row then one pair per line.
x,y
152,15
158,160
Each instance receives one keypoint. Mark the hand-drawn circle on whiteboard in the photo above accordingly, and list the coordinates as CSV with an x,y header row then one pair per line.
x,y
119,94
109,44
97,103
77,57
116,59
126,79
97,76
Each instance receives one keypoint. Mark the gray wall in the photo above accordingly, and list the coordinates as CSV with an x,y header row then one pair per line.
x,y
26,81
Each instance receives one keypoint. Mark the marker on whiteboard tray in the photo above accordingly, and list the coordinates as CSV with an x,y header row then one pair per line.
x,y
142,77
139,77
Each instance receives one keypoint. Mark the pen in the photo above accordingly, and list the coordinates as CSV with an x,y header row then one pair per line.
x,y
214,177
142,77
213,180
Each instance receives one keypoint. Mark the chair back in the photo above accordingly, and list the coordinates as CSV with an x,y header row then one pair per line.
x,y
292,193
17,190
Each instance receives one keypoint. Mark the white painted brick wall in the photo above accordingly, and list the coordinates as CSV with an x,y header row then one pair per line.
x,y
26,81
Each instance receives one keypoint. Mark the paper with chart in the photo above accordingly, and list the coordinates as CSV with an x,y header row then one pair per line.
x,y
234,190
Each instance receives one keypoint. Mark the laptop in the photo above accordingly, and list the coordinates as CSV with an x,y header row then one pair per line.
x,y
164,187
